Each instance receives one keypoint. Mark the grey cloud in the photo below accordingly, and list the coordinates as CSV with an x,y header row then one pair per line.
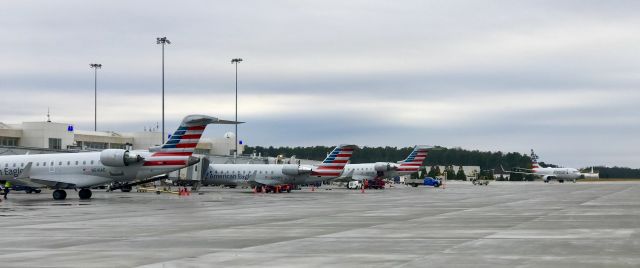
x,y
363,53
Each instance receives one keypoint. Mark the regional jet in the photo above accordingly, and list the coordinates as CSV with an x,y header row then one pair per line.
x,y
549,173
369,171
279,177
88,169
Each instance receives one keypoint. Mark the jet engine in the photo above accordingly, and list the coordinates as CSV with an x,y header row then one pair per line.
x,y
294,170
119,158
383,166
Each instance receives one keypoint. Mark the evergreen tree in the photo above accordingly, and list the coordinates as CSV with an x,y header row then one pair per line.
x,y
451,174
460,175
422,172
432,172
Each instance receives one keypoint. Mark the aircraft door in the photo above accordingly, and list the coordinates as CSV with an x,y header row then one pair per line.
x,y
204,167
52,167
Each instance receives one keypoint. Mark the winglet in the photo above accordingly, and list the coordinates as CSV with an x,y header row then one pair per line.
x,y
25,172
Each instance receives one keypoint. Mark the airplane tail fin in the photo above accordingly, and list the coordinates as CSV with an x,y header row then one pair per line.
x,y
185,139
415,158
334,163
534,160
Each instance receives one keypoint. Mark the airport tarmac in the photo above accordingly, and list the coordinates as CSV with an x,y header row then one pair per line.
x,y
500,225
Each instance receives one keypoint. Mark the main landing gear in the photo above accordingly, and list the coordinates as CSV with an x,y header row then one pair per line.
x,y
84,193
278,189
59,195
274,189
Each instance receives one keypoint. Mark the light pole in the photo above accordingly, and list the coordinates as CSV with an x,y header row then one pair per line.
x,y
163,41
95,67
236,61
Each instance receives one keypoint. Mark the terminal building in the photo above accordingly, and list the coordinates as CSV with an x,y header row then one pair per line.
x,y
53,136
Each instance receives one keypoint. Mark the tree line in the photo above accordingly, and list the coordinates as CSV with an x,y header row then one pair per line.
x,y
438,156
616,172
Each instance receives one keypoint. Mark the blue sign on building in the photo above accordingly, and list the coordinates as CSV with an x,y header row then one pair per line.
x,y
70,128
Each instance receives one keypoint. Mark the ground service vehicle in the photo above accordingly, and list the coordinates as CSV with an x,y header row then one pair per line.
x,y
427,181
377,183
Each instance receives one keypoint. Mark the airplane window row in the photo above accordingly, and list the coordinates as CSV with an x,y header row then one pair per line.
x,y
44,164
238,172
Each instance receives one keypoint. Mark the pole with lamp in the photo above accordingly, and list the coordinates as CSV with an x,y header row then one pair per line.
x,y
162,41
95,67
236,61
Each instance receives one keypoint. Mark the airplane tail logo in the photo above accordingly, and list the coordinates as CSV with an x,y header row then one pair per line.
x,y
334,163
180,146
534,160
415,159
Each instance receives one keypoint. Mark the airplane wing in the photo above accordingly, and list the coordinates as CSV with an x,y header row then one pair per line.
x,y
518,171
521,172
50,181
344,177
23,178
64,181
362,178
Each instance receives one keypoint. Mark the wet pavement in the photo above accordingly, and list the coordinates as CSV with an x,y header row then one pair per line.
x,y
500,225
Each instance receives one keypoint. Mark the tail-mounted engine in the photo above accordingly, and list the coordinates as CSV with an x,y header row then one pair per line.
x,y
119,158
294,170
383,166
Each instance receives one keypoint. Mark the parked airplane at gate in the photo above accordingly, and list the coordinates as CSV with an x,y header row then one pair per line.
x,y
270,176
369,171
88,169
547,174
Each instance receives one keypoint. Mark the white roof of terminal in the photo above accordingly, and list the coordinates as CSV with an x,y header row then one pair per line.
x,y
98,133
6,126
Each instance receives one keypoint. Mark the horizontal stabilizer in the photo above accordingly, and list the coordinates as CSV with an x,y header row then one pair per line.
x,y
228,122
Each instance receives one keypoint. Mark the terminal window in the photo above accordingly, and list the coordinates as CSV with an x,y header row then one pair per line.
x,y
95,145
55,143
9,141
201,151
116,146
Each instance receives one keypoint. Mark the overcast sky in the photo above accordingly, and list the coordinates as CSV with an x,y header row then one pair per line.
x,y
561,77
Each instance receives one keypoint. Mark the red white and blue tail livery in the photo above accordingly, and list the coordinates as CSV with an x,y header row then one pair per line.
x,y
333,165
369,171
178,149
414,161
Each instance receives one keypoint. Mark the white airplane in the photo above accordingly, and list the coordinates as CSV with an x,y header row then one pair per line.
x,y
85,170
590,175
279,177
369,171
549,173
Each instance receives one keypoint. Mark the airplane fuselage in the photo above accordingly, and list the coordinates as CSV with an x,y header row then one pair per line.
x,y
76,170
256,174
368,171
557,173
